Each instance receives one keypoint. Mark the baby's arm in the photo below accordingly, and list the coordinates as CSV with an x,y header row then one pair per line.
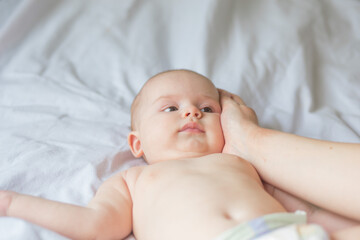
x,y
108,216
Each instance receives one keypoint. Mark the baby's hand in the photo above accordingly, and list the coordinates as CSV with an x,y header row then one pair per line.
x,y
239,124
5,201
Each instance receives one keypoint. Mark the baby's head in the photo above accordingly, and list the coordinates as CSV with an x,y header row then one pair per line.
x,y
176,115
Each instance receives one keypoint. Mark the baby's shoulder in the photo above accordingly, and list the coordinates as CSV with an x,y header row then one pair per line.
x,y
133,172
131,175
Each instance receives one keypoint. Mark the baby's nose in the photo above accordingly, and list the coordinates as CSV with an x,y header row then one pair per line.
x,y
192,112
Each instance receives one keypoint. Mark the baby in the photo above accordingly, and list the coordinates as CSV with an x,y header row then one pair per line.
x,y
189,190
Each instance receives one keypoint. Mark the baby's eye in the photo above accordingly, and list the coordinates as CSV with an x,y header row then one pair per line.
x,y
206,109
170,109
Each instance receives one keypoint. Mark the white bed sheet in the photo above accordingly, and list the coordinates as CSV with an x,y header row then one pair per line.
x,y
69,71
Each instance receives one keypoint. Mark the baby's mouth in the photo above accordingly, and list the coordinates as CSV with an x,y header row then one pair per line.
x,y
192,127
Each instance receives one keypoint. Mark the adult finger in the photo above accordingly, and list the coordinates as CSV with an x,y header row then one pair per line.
x,y
236,98
225,97
223,93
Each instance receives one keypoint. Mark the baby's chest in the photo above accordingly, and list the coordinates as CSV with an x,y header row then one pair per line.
x,y
182,179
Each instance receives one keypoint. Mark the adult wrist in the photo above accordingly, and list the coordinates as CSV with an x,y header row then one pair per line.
x,y
254,144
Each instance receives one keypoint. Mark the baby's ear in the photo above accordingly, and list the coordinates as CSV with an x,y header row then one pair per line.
x,y
135,144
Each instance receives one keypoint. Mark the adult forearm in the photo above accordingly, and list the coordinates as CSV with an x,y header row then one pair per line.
x,y
331,168
347,234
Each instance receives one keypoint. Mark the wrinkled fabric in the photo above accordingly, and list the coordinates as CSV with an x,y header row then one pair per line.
x,y
69,71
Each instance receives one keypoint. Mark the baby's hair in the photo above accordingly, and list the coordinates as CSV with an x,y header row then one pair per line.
x,y
137,98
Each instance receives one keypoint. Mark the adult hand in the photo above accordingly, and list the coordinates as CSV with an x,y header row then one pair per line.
x,y
239,124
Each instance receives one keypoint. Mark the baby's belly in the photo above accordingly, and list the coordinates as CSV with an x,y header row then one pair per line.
x,y
197,199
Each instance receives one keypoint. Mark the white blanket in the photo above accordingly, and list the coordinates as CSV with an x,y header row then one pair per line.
x,y
69,71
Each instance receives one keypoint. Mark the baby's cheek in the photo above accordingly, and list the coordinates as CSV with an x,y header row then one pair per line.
x,y
218,136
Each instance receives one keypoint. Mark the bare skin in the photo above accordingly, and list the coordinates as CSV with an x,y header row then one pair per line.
x,y
178,192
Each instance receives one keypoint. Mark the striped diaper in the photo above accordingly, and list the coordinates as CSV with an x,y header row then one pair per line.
x,y
287,226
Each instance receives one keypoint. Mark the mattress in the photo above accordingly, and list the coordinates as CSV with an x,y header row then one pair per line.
x,y
69,71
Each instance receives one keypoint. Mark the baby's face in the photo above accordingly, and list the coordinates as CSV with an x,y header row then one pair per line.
x,y
178,117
